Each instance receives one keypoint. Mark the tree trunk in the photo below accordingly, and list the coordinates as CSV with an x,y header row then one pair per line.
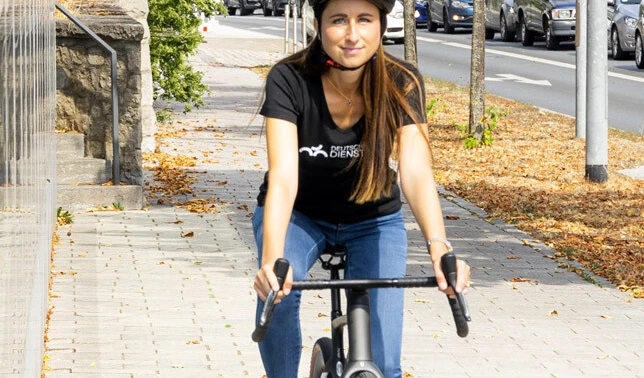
x,y
410,32
477,71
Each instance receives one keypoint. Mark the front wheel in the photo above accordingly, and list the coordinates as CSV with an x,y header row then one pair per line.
x,y
616,48
506,36
431,25
527,38
322,353
639,51
551,41
364,375
447,27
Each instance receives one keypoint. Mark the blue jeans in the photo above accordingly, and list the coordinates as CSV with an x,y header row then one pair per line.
x,y
375,248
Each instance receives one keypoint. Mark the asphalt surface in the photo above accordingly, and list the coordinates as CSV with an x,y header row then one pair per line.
x,y
166,292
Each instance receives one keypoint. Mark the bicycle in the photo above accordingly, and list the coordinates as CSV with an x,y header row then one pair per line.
x,y
328,358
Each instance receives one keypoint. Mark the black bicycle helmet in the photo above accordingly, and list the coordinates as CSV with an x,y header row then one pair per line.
x,y
384,5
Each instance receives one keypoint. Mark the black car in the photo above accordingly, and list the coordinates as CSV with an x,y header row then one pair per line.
x,y
553,19
245,7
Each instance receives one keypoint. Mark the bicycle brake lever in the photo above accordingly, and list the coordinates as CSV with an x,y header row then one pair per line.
x,y
280,269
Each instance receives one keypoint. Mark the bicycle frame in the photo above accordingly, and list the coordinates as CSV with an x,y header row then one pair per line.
x,y
357,321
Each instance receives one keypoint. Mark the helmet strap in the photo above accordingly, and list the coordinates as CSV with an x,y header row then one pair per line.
x,y
329,62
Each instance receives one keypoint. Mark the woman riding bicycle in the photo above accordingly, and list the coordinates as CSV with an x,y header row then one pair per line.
x,y
344,120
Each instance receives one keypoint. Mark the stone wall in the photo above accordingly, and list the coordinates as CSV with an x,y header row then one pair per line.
x,y
139,10
83,78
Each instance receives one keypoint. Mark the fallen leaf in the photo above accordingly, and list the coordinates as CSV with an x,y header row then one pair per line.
x,y
518,279
553,313
188,234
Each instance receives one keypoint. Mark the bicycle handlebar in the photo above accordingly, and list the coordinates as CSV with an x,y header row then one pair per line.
x,y
365,283
460,312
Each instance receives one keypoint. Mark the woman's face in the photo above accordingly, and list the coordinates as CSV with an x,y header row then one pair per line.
x,y
350,31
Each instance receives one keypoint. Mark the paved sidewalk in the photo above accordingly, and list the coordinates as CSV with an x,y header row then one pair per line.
x,y
168,293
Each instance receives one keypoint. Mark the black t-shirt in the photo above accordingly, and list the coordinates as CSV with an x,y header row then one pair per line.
x,y
326,176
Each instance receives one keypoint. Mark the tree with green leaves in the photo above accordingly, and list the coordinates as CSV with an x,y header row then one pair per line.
x,y
174,37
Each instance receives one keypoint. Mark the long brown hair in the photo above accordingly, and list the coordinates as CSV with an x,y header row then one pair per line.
x,y
385,105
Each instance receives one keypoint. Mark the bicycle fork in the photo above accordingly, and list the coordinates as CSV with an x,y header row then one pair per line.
x,y
359,328
358,324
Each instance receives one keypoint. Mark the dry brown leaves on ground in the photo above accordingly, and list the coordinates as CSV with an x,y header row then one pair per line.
x,y
174,175
533,177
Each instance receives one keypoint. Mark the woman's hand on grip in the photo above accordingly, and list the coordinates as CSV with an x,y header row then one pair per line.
x,y
265,280
462,275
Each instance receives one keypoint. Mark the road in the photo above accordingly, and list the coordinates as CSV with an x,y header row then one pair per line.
x,y
533,75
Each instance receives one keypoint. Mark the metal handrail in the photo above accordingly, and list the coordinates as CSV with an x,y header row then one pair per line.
x,y
116,173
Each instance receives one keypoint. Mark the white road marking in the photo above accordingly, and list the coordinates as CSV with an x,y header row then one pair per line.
x,y
528,58
518,79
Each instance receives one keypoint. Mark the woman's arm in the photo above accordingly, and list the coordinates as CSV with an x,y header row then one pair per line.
x,y
281,138
419,188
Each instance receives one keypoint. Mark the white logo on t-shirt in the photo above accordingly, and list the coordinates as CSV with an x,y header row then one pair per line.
x,y
337,152
314,151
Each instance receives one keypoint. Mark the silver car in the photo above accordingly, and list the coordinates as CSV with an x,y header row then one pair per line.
x,y
500,17
622,17
639,39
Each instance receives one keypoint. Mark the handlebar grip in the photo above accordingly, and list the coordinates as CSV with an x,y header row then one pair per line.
x,y
462,329
280,268
460,312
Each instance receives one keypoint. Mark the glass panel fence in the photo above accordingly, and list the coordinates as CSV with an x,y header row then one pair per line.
x,y
27,179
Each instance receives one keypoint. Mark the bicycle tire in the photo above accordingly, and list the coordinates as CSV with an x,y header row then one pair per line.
x,y
322,353
365,375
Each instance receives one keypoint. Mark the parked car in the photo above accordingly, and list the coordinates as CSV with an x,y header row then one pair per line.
x,y
245,7
277,7
553,19
449,14
396,24
274,7
639,38
500,17
622,18
420,13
